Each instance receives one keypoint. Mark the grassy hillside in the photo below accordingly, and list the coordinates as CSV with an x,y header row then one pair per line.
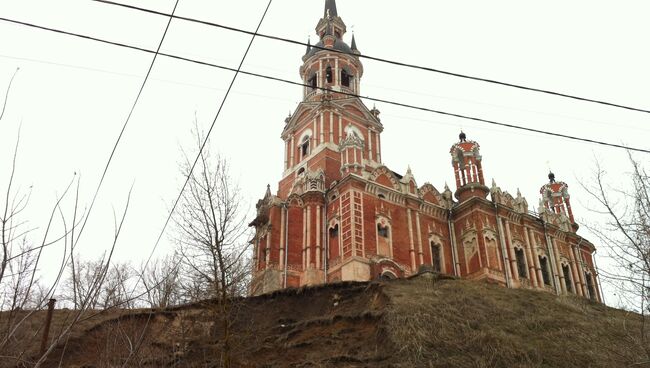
x,y
422,322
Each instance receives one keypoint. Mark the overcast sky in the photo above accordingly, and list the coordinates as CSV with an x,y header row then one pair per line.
x,y
71,96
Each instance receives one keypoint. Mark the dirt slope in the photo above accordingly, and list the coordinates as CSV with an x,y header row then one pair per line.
x,y
422,322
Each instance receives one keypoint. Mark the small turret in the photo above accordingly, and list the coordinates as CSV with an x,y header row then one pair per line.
x,y
351,149
353,45
556,198
466,161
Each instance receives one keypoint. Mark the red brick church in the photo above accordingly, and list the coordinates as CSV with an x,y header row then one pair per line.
x,y
340,214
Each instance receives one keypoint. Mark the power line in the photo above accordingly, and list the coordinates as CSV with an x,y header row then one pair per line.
x,y
126,122
383,60
207,136
389,102
198,86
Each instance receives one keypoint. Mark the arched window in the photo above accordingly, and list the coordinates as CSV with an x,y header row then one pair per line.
x,y
304,147
328,74
387,275
543,264
436,259
521,262
345,78
567,278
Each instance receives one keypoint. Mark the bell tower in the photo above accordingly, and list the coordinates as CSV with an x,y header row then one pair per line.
x,y
331,130
331,140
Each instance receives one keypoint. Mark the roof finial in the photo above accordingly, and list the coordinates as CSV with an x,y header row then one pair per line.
x,y
462,136
551,177
353,45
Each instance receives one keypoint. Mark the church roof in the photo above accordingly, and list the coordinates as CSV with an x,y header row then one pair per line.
x,y
339,45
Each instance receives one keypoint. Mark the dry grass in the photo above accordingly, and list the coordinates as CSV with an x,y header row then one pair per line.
x,y
443,323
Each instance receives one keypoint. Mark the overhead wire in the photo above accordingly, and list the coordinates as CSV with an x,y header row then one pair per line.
x,y
410,92
383,60
126,122
349,94
207,136
189,174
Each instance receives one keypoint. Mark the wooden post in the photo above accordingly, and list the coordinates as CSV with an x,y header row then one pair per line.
x,y
46,329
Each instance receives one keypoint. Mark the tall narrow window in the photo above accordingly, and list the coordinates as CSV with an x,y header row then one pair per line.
x,y
304,147
567,278
345,78
328,74
590,286
313,82
543,264
521,263
383,240
436,260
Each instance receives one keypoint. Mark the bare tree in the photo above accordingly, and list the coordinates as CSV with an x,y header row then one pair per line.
x,y
160,280
625,235
211,234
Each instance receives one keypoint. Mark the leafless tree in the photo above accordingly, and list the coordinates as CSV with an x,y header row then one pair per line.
x,y
161,283
211,234
625,235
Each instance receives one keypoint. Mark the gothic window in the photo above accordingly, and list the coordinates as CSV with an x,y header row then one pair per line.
x,y
334,231
313,82
435,258
543,264
304,147
345,78
521,262
590,286
567,278
328,74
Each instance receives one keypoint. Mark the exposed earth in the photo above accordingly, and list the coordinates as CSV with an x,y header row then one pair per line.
x,y
425,321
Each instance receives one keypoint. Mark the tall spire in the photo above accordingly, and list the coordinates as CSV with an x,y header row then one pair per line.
x,y
353,46
330,9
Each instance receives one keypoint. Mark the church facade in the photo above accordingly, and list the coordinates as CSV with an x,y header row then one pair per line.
x,y
340,214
